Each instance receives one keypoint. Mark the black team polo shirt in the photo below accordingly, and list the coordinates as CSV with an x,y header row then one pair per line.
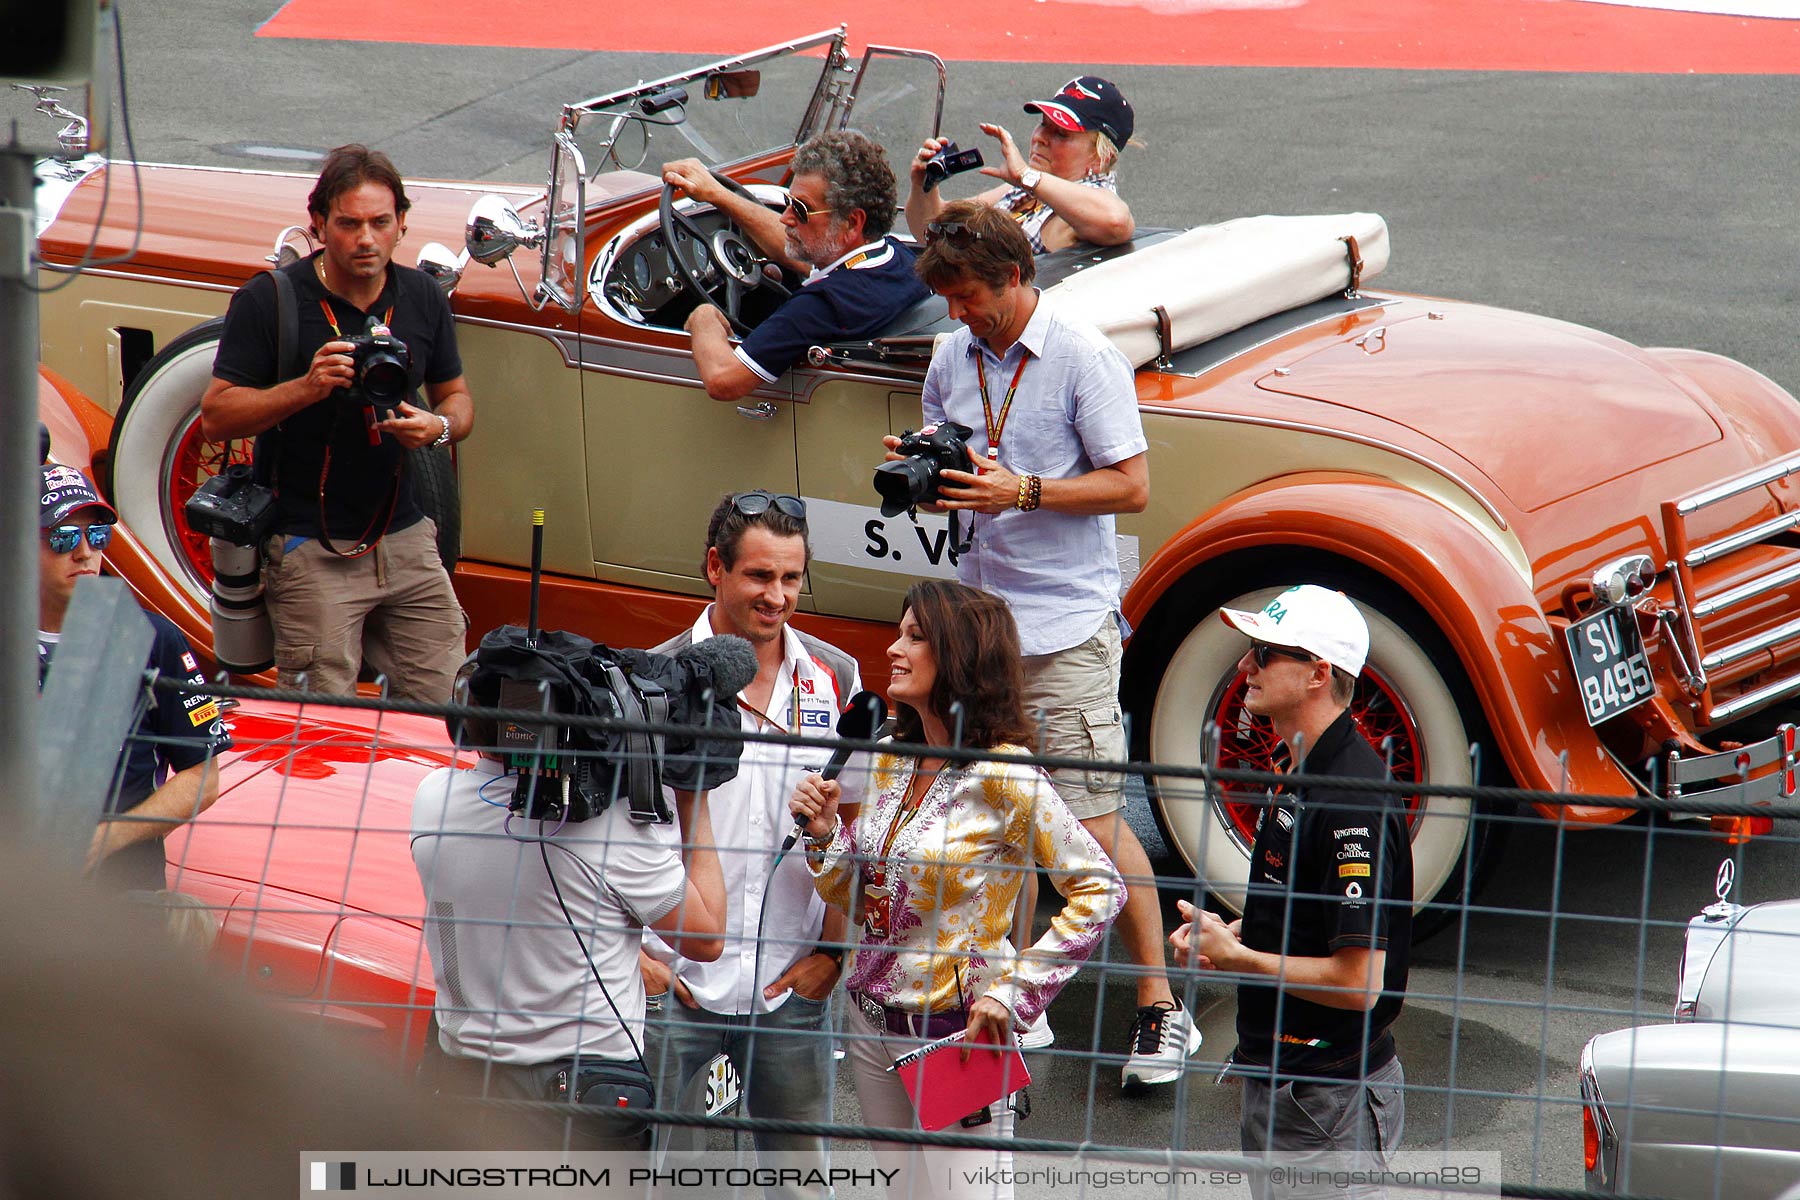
x,y
1330,872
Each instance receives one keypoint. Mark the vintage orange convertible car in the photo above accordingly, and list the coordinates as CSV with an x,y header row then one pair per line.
x,y
1577,552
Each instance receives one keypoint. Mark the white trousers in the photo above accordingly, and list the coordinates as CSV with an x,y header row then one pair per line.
x,y
925,1172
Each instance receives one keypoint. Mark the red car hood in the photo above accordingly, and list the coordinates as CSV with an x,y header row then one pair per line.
x,y
307,807
1582,408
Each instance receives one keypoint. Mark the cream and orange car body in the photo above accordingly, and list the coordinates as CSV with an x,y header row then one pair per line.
x,y
1461,471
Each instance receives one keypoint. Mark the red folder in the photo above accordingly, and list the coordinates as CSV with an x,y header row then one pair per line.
x,y
944,1089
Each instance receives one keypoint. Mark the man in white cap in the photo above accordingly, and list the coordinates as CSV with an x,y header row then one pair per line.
x,y
1322,947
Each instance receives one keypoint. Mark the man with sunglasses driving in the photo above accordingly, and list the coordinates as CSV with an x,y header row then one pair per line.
x,y
833,233
1321,951
763,1000
165,774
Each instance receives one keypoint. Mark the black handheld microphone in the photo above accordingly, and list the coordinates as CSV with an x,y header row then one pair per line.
x,y
862,720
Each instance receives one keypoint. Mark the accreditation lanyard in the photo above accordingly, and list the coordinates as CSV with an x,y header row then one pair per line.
x,y
793,705
878,894
994,427
387,319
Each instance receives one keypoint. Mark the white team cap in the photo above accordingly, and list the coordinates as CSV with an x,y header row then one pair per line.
x,y
1317,620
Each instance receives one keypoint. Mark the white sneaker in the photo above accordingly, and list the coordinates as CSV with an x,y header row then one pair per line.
x,y
1162,1037
1038,1035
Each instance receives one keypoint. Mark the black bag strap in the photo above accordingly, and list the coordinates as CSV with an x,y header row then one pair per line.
x,y
643,751
287,351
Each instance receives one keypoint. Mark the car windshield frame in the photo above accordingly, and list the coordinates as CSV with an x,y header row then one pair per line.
x,y
626,134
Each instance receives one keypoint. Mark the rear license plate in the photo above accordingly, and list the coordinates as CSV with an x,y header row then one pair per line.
x,y
722,1085
1611,668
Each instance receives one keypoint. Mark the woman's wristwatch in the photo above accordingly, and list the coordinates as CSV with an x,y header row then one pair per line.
x,y
1029,178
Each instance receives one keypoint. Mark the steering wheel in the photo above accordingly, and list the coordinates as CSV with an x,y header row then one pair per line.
x,y
733,266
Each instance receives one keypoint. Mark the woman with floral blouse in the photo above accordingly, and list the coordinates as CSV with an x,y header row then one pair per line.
x,y
932,866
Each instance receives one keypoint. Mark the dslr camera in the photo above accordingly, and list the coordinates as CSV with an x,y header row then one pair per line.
x,y
950,161
381,362
913,480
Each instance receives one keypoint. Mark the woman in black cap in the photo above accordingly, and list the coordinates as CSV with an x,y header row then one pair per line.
x,y
1067,191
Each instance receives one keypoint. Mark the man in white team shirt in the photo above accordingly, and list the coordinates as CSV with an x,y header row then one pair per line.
x,y
762,1001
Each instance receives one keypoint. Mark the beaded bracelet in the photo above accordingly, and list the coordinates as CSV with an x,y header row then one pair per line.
x,y
1031,493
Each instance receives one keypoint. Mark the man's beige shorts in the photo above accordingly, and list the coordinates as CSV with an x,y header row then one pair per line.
x,y
1076,691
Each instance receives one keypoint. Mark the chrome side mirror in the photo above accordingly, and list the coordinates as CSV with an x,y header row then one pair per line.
x,y
495,229
285,253
444,266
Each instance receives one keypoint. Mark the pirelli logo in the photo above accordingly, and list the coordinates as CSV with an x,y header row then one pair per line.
x,y
1350,869
205,713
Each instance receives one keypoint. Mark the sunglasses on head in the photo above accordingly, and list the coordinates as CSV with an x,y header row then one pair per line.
x,y
64,538
1262,652
957,233
751,504
804,212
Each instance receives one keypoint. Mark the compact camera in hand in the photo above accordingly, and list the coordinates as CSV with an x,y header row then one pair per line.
x,y
914,479
381,362
949,161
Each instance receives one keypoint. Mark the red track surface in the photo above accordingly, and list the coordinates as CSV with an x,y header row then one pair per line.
x,y
1502,35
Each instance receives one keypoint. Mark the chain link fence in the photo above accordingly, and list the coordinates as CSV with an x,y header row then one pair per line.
x,y
1540,1021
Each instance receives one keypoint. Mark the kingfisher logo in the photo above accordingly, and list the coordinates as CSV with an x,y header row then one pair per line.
x,y
334,1177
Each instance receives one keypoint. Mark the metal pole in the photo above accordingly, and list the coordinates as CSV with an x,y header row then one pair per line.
x,y
18,482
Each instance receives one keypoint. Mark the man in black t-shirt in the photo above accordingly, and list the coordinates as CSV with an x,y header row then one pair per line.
x,y
352,572
165,774
1323,943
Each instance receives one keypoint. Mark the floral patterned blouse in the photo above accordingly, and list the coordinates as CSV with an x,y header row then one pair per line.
x,y
953,873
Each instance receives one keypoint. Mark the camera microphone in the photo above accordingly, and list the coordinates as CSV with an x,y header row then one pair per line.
x,y
728,660
862,719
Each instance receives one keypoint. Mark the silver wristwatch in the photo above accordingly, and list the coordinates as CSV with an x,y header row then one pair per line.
x,y
443,439
1029,178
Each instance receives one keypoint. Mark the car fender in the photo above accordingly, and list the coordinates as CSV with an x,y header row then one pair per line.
x,y
1744,400
1462,581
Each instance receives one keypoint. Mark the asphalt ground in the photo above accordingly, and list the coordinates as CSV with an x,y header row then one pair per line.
x,y
1655,207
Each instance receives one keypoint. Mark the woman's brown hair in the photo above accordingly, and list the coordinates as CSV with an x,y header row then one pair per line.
x,y
980,686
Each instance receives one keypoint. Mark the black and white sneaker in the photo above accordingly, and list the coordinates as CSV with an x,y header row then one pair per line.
x,y
1162,1037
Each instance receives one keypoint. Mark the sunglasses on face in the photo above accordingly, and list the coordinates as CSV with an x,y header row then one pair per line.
x,y
1262,652
804,212
955,232
751,504
64,538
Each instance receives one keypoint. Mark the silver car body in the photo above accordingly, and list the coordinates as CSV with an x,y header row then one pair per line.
x,y
1707,1106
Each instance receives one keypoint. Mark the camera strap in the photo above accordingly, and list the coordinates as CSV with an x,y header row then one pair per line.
x,y
647,702
384,516
289,364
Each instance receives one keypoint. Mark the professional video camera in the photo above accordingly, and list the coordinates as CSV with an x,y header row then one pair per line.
x,y
381,362
567,772
949,161
913,480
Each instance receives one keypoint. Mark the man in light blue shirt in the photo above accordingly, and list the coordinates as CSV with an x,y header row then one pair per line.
x,y
1060,449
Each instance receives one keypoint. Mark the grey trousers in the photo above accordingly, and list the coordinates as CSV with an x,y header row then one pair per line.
x,y
1312,1127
